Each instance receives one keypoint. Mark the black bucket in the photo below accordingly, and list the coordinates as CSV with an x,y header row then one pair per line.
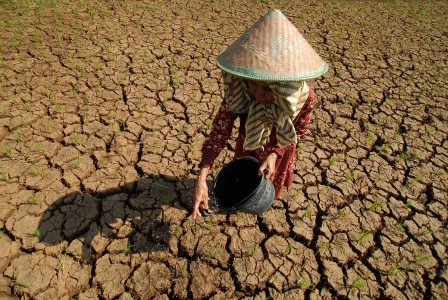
x,y
239,187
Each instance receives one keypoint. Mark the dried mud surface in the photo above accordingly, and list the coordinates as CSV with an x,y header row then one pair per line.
x,y
104,107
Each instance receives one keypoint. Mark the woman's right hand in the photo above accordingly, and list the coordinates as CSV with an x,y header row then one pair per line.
x,y
200,196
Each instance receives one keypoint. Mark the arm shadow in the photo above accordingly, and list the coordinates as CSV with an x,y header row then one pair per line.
x,y
138,217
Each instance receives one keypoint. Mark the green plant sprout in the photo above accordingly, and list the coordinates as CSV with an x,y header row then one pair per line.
x,y
37,233
400,226
376,204
409,203
427,231
303,283
166,198
5,111
342,214
117,151
22,121
116,174
333,160
76,163
18,136
396,269
85,101
57,107
287,250
216,252
36,169
21,284
127,249
4,176
7,150
209,222
47,125
34,199
28,106
363,235
423,258
306,214
38,147
350,176
358,282
208,124
253,250
184,272
326,246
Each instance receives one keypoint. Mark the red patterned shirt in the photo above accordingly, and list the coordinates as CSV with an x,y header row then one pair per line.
x,y
286,157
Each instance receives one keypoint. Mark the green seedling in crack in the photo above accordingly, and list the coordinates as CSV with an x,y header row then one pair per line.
x,y
396,269
182,129
423,258
37,233
28,106
209,222
34,199
287,250
427,231
21,284
7,150
358,283
208,123
57,107
333,160
76,163
165,199
5,111
350,176
303,283
47,126
400,226
117,151
216,252
127,249
253,250
18,136
116,174
22,121
4,176
363,235
38,147
409,203
342,214
376,204
36,169
306,215
85,101
184,272
153,148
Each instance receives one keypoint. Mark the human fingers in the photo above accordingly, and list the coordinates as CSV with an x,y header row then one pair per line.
x,y
262,168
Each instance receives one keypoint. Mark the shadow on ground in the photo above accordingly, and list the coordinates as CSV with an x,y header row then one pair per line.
x,y
134,218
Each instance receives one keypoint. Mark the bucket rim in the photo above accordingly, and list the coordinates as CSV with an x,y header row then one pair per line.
x,y
235,206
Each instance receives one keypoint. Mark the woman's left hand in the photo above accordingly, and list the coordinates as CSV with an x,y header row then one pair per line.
x,y
269,165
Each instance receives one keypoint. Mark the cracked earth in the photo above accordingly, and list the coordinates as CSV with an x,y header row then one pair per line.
x,y
105,105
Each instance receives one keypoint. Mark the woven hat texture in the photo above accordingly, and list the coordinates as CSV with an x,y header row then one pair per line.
x,y
272,50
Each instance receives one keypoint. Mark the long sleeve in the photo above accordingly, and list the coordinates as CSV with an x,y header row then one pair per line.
x,y
219,135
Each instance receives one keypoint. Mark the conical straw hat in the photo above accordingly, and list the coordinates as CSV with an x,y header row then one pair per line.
x,y
272,50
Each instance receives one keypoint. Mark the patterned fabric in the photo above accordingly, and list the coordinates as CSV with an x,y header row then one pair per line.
x,y
286,156
289,98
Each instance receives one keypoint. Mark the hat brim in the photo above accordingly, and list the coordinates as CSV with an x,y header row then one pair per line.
x,y
260,75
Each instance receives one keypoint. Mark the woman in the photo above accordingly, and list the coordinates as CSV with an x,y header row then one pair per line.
x,y
264,73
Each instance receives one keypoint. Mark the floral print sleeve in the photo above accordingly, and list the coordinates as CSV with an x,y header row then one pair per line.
x,y
219,135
